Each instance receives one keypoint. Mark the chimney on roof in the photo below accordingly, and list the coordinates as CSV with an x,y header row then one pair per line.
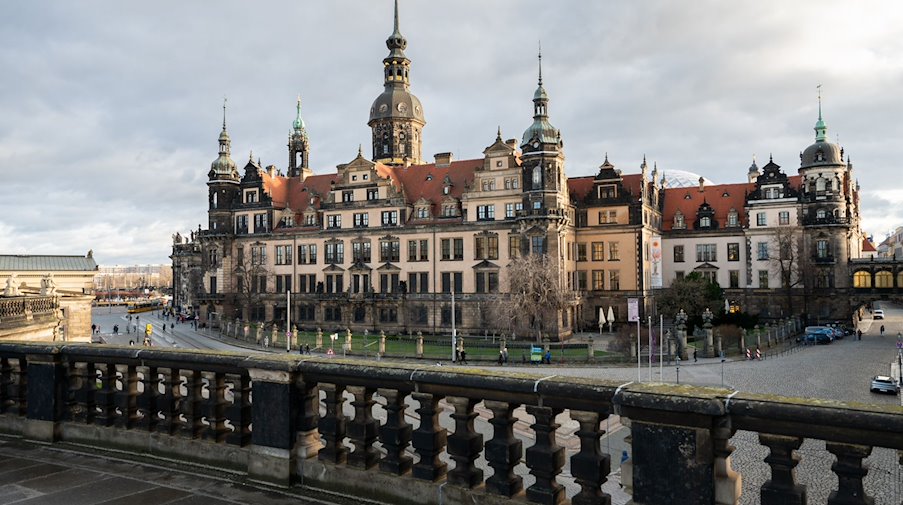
x,y
512,143
271,169
443,159
701,184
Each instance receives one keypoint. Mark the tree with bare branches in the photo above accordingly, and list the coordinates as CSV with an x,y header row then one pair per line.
x,y
787,260
535,298
251,277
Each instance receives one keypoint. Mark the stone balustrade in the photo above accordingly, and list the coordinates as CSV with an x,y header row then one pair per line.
x,y
20,307
344,426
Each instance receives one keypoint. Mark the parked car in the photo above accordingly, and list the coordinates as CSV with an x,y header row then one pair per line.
x,y
878,314
884,384
819,336
838,333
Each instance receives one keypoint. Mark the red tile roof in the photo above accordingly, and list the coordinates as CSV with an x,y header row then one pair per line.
x,y
580,187
867,246
721,197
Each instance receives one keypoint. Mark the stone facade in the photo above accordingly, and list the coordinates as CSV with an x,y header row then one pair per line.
x,y
384,243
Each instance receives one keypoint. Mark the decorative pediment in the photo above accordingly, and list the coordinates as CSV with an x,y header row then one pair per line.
x,y
486,265
359,266
333,268
388,267
706,266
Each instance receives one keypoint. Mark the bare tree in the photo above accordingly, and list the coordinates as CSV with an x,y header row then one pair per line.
x,y
535,297
787,260
251,277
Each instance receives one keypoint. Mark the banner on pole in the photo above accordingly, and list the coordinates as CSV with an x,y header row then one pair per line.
x,y
655,253
633,309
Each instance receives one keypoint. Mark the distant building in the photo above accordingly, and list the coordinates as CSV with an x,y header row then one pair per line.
x,y
384,242
46,298
132,276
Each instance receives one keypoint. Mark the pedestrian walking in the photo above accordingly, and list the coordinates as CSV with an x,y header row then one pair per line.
x,y
549,357
307,348
505,355
171,327
463,356
695,358
116,329
882,330
501,358
858,334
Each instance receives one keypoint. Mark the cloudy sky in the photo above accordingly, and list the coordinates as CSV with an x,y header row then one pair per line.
x,y
110,110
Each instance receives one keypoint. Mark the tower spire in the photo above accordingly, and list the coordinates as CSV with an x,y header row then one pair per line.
x,y
224,113
540,63
396,19
821,130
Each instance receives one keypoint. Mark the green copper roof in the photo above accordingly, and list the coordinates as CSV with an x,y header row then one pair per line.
x,y
298,123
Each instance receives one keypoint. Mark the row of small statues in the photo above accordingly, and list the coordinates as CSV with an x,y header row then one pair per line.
x,y
48,286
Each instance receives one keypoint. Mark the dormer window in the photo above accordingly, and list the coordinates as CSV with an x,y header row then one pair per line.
x,y
365,177
251,196
705,222
679,223
610,191
445,190
819,156
733,218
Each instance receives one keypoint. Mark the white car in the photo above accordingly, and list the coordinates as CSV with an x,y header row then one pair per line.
x,y
878,314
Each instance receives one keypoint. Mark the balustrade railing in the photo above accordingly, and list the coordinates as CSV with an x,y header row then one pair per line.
x,y
400,433
20,306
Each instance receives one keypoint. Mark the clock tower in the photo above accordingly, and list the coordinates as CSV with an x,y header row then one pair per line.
x,y
396,116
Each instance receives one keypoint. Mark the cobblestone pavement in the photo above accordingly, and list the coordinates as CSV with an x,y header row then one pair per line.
x,y
839,371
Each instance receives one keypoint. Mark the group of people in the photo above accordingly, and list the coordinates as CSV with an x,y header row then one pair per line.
x,y
503,356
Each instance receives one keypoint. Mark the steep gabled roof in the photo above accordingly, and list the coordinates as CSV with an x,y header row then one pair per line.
x,y
721,197
867,246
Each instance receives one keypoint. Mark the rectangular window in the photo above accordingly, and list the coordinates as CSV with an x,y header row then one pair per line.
x,y
424,250
335,252
283,283
821,249
307,283
486,247
581,280
784,218
733,251
458,249
613,254
361,220
513,246
347,196
360,252
448,278
283,255
608,217
763,279
598,280
389,250
372,193
679,274
598,251
761,219
486,212
262,283
334,221
607,191
447,315
445,248
581,252
734,278
412,250
487,282
678,254
251,196
762,250
388,283
538,245
509,209
258,255
241,224
260,223
614,280
706,252
390,218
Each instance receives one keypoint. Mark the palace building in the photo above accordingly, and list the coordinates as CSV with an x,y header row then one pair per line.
x,y
386,241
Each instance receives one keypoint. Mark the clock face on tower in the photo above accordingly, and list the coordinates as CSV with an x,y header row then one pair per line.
x,y
535,145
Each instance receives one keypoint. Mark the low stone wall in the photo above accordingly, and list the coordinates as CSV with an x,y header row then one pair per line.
x,y
313,421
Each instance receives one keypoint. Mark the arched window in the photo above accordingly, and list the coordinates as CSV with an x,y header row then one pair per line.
x,y
705,222
733,218
862,280
884,279
900,279
679,221
821,214
820,184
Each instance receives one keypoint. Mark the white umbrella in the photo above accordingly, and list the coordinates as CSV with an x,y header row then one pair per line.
x,y
602,316
727,306
611,317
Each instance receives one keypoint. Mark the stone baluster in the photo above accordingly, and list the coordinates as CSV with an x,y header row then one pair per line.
x,y
590,467
850,471
728,483
307,440
545,458
127,396
170,402
215,407
82,380
429,439
363,428
239,411
191,406
332,425
782,487
465,444
106,394
274,414
395,434
147,401
504,451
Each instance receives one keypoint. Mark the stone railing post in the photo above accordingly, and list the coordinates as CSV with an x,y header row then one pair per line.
x,y
419,350
850,471
782,487
363,428
465,444
671,435
382,343
319,341
728,483
545,458
45,395
333,425
429,439
590,466
274,418
395,434
504,451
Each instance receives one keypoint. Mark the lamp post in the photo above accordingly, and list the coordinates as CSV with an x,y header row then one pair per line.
x,y
678,369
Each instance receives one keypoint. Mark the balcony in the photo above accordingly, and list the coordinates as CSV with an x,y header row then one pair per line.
x,y
810,220
196,408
